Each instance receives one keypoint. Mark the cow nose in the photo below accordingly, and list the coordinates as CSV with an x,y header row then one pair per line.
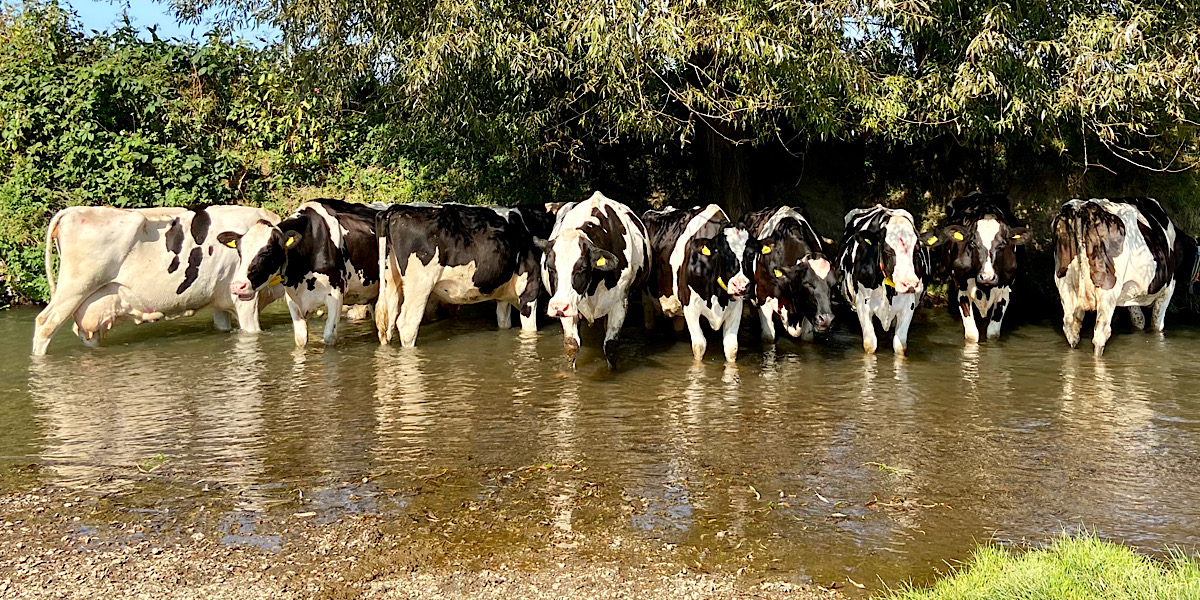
x,y
558,309
824,322
907,287
986,278
738,285
241,288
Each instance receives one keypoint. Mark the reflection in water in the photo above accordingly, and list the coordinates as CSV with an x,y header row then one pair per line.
x,y
826,462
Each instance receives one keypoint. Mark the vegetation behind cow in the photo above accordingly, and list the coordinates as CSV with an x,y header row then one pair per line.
x,y
822,105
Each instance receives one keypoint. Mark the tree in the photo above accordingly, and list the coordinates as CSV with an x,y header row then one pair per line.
x,y
551,80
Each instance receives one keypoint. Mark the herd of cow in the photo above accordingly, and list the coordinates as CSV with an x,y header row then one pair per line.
x,y
588,258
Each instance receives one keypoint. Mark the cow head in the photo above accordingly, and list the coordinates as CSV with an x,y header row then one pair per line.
x,y
263,250
726,260
893,253
984,249
572,268
801,281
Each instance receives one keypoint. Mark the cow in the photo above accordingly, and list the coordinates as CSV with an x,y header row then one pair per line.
x,y
324,255
597,255
1116,252
144,265
539,220
978,247
703,268
883,264
794,280
458,254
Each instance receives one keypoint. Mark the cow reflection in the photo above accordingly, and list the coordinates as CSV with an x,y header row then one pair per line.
x,y
113,418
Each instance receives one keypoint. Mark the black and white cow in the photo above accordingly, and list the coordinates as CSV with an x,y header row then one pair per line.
x,y
457,254
324,254
539,219
883,265
793,280
596,256
1116,252
144,265
979,249
703,268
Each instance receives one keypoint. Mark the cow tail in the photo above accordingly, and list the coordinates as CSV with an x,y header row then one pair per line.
x,y
51,243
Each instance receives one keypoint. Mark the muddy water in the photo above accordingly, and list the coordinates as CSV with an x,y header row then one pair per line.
x,y
812,461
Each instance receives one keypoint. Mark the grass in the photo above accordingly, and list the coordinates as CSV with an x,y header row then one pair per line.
x,y
1073,568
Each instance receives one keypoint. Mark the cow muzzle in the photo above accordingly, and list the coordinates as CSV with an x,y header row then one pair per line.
x,y
907,287
824,323
738,285
242,289
558,309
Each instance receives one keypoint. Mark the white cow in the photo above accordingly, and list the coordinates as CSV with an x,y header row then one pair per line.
x,y
143,265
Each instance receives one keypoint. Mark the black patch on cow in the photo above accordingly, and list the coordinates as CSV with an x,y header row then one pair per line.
x,y
174,266
1065,244
174,237
1103,238
461,234
210,250
964,304
195,257
607,234
538,218
997,312
312,283
979,294
359,246
200,224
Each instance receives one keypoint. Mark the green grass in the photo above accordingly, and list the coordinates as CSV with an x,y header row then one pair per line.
x,y
1073,568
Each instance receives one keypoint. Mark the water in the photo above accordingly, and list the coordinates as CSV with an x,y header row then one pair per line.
x,y
812,460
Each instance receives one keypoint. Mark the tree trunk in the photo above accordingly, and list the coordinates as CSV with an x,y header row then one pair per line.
x,y
724,168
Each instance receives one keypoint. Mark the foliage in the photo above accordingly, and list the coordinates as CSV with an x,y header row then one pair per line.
x,y
1079,568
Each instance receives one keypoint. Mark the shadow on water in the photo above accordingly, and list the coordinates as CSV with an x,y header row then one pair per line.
x,y
807,459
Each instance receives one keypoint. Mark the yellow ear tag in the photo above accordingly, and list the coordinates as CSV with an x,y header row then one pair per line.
x,y
721,282
231,243
958,236
291,241
868,241
931,241
705,251
778,273
766,250
274,280
888,282
1016,237
600,262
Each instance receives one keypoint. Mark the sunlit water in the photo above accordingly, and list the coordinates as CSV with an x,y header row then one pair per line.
x,y
826,462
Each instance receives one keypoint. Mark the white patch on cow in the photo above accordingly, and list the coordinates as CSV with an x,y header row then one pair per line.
x,y
820,267
457,286
901,235
988,230
249,246
737,239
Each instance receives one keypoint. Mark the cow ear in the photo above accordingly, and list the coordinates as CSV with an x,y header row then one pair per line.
x,y
603,260
229,238
702,246
956,233
933,239
1018,235
291,238
543,245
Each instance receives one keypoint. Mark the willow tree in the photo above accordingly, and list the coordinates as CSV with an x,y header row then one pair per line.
x,y
547,79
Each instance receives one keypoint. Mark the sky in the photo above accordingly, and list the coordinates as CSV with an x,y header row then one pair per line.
x,y
102,14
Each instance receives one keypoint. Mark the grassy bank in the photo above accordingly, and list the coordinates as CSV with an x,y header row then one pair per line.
x,y
1073,568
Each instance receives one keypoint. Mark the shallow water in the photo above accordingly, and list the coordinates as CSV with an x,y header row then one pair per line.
x,y
811,460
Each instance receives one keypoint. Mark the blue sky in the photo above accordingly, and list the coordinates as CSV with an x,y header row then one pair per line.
x,y
102,15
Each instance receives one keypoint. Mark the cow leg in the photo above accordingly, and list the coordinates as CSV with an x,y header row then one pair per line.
x,y
222,319
806,330
904,306
570,326
333,316
387,306
729,330
418,285
648,311
1158,314
60,308
1137,318
299,321
999,307
503,315
1106,305
766,324
247,314
612,329
870,342
528,316
966,311
691,316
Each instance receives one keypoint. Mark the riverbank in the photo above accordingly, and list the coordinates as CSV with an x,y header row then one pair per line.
x,y
59,543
